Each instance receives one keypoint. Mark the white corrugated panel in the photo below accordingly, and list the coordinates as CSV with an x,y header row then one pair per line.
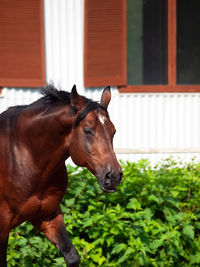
x,y
64,42
20,96
157,122
155,158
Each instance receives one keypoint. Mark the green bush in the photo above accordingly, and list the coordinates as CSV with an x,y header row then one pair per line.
x,y
152,220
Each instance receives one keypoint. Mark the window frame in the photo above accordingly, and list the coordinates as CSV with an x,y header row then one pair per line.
x,y
172,85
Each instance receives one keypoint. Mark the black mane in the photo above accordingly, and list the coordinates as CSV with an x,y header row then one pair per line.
x,y
52,95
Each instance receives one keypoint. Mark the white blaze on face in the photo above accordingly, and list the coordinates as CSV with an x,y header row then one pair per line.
x,y
102,118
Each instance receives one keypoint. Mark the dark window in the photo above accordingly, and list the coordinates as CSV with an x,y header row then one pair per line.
x,y
147,41
188,42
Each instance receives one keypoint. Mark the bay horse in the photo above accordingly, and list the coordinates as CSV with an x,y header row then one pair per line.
x,y
35,141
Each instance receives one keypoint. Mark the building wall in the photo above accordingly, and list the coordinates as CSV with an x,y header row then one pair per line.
x,y
151,125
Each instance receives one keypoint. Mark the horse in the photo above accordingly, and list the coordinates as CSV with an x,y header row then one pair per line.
x,y
35,141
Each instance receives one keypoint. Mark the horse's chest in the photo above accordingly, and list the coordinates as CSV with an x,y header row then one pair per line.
x,y
52,193
42,205
42,202
37,206
51,200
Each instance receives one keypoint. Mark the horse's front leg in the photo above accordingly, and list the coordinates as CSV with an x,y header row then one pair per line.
x,y
54,230
3,248
5,222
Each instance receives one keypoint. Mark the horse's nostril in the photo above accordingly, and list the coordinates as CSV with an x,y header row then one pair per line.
x,y
107,180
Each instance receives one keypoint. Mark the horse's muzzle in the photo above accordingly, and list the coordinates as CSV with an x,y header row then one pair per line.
x,y
110,181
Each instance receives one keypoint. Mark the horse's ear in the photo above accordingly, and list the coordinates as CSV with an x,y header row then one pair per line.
x,y
76,99
106,97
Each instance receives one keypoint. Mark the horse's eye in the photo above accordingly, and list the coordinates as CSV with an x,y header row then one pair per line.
x,y
88,131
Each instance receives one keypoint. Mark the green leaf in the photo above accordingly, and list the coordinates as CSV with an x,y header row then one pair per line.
x,y
126,255
69,202
118,248
134,204
60,261
114,230
154,198
98,257
148,214
88,222
188,230
155,244
89,247
195,258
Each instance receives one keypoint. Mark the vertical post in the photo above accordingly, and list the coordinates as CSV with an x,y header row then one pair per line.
x,y
172,42
124,45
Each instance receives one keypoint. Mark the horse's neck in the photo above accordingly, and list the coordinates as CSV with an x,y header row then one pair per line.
x,y
47,133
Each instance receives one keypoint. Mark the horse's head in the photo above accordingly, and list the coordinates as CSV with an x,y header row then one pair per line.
x,y
91,142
